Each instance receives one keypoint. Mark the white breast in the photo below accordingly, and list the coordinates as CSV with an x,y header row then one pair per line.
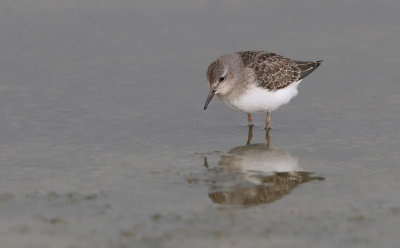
x,y
257,99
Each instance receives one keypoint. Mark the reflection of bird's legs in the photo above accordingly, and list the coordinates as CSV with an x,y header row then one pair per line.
x,y
267,137
250,134
205,162
268,121
250,119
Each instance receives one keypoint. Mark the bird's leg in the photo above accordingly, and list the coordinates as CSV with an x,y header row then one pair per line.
x,y
268,121
250,134
250,119
267,137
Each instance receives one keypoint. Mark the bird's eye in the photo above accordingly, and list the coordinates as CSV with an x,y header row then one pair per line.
x,y
221,79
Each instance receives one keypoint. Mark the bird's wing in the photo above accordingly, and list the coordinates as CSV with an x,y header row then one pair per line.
x,y
273,71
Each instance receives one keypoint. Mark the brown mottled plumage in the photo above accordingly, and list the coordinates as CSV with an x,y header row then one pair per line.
x,y
275,71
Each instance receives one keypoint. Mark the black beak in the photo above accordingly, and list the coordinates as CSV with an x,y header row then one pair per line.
x,y
209,97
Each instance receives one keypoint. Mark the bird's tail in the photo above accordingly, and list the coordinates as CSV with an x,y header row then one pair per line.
x,y
307,67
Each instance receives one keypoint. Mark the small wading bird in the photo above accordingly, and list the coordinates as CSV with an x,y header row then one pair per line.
x,y
256,81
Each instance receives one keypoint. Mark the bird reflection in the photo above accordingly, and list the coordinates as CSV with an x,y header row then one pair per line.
x,y
255,174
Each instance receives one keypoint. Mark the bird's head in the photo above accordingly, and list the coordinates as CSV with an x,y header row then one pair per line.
x,y
220,75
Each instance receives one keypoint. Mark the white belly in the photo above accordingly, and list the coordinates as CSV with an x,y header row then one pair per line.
x,y
257,99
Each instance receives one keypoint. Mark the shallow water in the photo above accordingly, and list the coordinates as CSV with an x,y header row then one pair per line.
x,y
104,143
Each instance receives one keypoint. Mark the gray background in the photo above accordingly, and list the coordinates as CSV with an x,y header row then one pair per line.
x,y
103,136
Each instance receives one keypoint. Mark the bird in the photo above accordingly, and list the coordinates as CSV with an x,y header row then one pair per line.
x,y
256,81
